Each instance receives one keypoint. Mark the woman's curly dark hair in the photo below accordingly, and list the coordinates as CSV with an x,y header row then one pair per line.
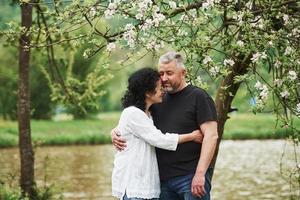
x,y
139,83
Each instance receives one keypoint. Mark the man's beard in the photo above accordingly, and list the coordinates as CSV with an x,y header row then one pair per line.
x,y
171,89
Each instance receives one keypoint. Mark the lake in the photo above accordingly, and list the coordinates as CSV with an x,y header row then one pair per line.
x,y
249,169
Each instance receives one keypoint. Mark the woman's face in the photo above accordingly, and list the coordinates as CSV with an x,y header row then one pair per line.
x,y
156,97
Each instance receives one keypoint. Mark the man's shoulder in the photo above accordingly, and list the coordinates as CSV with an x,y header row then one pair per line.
x,y
199,91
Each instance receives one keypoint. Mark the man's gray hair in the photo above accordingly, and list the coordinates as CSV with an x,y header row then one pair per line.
x,y
172,56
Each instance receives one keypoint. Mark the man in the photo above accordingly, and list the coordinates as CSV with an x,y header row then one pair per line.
x,y
185,173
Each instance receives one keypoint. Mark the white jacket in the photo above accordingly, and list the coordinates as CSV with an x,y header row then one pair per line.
x,y
135,168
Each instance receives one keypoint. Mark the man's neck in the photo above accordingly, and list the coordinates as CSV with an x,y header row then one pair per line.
x,y
181,87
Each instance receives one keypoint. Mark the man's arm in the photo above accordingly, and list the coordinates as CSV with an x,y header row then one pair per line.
x,y
210,132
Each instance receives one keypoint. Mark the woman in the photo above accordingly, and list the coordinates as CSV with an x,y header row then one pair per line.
x,y
135,174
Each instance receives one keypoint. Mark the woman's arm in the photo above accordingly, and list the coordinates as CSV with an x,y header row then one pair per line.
x,y
143,128
195,136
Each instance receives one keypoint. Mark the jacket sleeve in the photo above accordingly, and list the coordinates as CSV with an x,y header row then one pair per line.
x,y
142,127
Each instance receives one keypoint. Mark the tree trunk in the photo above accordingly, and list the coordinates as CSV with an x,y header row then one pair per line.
x,y
25,145
225,96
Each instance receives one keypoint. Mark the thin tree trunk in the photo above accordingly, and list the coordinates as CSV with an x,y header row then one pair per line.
x,y
25,145
225,96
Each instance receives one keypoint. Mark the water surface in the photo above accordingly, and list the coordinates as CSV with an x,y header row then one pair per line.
x,y
245,170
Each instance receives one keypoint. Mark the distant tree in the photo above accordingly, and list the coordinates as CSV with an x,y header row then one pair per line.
x,y
8,84
82,94
25,144
40,91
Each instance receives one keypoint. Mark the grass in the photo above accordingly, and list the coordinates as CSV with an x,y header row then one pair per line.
x,y
97,131
259,126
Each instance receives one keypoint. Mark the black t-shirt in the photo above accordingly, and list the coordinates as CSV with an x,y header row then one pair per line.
x,y
182,112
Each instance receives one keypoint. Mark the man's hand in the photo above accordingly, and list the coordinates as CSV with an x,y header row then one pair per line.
x,y
198,182
116,139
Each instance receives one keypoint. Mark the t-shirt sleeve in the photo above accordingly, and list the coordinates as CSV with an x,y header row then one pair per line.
x,y
206,110
144,129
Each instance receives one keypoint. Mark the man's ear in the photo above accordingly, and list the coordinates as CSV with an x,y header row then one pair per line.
x,y
183,72
148,95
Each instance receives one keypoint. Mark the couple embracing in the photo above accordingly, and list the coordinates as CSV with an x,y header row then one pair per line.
x,y
166,136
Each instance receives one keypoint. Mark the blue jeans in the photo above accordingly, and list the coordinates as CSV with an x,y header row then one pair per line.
x,y
179,188
126,198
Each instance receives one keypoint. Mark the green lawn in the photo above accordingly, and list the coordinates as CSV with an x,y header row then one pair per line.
x,y
259,126
97,131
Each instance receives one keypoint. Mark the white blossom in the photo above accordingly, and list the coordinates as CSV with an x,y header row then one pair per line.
x,y
153,45
150,45
87,53
206,60
172,4
111,46
258,85
184,17
263,89
109,13
157,18
199,80
285,19
264,92
298,109
278,82
112,6
193,13
249,5
111,10
155,9
142,8
129,35
255,58
296,32
229,62
238,17
240,43
288,51
263,55
129,27
285,94
139,16
292,75
260,23
182,33
214,70
277,64
92,12
270,43
259,102
207,4
147,25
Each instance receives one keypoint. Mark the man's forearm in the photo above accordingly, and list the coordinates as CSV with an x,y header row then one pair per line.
x,y
207,152
208,148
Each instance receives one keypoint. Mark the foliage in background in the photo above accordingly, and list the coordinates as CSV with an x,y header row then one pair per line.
x,y
8,83
226,39
97,131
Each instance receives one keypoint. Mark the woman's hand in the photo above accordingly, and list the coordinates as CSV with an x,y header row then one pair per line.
x,y
198,136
